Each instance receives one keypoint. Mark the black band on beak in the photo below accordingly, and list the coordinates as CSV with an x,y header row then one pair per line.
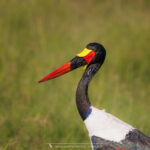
x,y
77,62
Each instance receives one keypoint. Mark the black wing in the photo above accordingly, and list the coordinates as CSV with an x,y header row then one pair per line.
x,y
102,144
138,138
134,140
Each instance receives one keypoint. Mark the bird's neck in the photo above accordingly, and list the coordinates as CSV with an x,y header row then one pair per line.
x,y
82,100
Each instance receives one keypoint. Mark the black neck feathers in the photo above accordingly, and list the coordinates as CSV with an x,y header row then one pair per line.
x,y
82,100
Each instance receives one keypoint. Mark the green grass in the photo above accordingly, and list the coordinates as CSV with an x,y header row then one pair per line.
x,y
38,36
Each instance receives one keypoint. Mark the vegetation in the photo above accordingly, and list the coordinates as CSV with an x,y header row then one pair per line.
x,y
38,36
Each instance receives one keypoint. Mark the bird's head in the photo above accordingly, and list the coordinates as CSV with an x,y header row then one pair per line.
x,y
94,53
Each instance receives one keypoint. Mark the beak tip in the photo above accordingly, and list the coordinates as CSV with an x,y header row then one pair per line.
x,y
39,81
60,71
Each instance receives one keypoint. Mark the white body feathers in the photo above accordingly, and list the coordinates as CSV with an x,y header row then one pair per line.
x,y
106,126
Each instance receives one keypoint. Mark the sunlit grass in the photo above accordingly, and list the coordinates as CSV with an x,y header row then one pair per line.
x,y
39,36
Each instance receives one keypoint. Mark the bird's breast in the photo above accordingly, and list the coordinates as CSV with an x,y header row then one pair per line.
x,y
102,124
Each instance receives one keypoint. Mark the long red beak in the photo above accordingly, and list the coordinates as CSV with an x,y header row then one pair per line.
x,y
81,59
58,72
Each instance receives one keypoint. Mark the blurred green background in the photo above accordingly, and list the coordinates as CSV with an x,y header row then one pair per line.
x,y
38,36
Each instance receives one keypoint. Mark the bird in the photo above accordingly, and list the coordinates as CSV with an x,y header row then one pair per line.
x,y
106,131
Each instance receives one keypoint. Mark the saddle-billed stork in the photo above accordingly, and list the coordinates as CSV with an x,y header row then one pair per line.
x,y
105,130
